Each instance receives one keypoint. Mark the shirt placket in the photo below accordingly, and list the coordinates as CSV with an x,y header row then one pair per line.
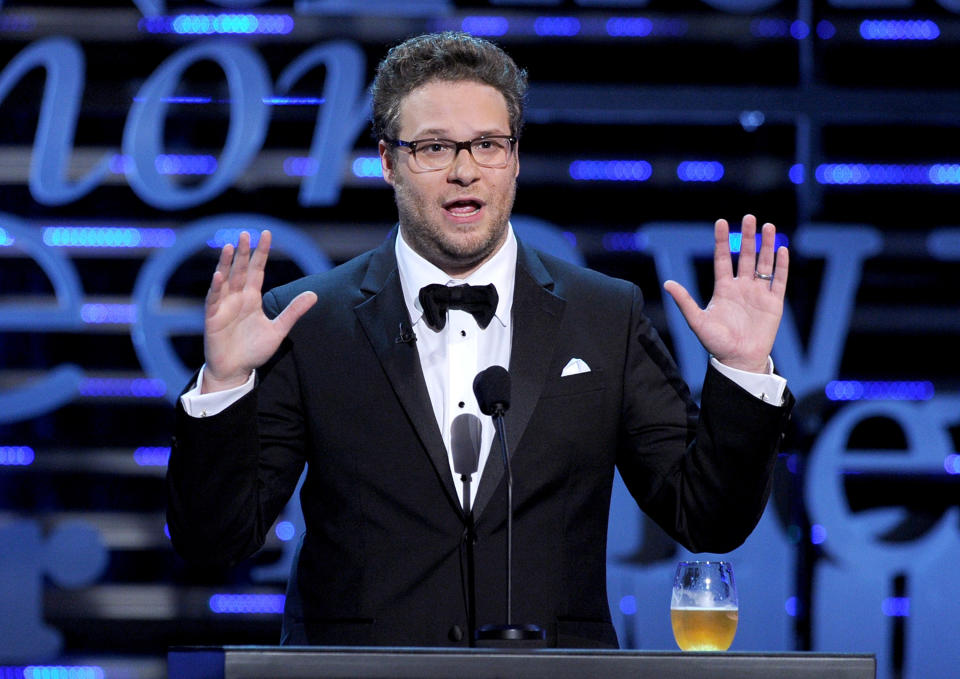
x,y
462,352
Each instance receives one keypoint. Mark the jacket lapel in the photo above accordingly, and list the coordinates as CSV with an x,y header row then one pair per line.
x,y
380,316
536,317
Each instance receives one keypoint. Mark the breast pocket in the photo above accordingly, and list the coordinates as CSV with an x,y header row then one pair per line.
x,y
581,383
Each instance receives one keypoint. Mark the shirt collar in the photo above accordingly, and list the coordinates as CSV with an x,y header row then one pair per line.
x,y
416,272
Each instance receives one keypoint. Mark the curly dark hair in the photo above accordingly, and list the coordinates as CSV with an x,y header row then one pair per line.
x,y
451,56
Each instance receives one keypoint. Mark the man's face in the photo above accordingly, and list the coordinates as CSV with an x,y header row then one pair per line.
x,y
455,218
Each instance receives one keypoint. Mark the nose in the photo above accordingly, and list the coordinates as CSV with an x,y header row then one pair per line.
x,y
463,169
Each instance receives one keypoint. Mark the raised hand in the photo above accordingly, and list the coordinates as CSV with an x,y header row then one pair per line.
x,y
739,324
237,336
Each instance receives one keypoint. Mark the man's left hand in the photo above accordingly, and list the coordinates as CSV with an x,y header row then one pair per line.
x,y
739,324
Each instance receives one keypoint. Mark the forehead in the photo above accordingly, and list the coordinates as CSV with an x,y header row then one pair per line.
x,y
455,108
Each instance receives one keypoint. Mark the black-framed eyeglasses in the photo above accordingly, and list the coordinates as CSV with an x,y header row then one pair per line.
x,y
493,150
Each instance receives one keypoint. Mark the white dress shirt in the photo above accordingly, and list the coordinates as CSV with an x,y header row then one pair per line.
x,y
453,356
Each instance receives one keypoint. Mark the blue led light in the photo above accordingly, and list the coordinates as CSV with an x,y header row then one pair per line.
x,y
246,603
563,26
951,463
855,390
825,29
16,456
629,27
219,24
182,100
174,163
108,313
206,24
285,531
52,672
611,170
770,28
166,530
293,101
799,30
151,456
896,606
367,167
300,166
621,241
700,171
818,534
5,239
791,606
628,605
796,173
941,174
108,237
485,25
736,239
944,174
896,29
232,236
106,387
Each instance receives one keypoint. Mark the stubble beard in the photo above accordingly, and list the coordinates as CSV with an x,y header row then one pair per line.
x,y
453,255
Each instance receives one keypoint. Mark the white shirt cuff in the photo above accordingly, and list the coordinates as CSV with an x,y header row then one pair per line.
x,y
196,404
767,387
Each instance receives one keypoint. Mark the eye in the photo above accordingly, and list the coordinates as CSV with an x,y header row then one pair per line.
x,y
434,147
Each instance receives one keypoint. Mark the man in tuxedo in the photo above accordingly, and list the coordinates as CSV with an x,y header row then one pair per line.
x,y
359,373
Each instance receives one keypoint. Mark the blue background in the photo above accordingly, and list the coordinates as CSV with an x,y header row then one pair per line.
x,y
138,137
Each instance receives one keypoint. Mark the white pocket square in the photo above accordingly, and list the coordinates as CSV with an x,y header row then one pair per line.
x,y
575,366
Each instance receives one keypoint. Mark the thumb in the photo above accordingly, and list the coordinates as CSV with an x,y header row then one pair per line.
x,y
297,308
688,307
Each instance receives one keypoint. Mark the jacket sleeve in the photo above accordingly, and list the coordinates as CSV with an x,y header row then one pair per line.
x,y
231,474
704,475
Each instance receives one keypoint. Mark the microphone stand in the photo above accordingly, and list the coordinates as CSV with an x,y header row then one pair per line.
x,y
509,634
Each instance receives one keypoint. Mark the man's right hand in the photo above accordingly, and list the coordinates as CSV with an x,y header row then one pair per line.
x,y
237,336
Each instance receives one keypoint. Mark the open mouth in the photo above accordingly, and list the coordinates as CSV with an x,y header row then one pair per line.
x,y
463,208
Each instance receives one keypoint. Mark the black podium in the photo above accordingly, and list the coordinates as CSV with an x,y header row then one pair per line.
x,y
291,662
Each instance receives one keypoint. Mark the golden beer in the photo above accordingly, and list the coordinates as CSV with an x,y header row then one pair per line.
x,y
704,629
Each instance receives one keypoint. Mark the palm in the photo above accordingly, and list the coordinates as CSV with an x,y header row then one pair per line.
x,y
238,337
739,324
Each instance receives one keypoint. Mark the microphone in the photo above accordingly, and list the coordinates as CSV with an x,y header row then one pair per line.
x,y
492,389
465,448
406,336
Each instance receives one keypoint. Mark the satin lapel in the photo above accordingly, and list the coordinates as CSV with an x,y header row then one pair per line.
x,y
536,317
380,315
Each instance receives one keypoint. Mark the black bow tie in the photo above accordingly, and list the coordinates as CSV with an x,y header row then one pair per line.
x,y
478,300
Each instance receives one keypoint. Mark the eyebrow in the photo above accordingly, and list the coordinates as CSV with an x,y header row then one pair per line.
x,y
444,134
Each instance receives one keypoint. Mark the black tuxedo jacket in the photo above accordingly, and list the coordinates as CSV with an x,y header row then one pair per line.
x,y
383,561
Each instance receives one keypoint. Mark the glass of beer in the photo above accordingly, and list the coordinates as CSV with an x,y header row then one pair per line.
x,y
704,608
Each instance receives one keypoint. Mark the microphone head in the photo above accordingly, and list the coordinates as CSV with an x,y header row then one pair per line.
x,y
465,443
492,389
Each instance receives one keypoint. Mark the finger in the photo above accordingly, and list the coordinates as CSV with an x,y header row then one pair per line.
x,y
226,257
768,237
747,262
213,294
258,261
241,262
687,305
297,308
779,285
722,264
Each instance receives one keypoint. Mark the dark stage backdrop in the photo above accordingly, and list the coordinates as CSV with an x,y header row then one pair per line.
x,y
137,137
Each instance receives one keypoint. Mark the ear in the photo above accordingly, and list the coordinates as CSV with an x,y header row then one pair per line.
x,y
516,154
386,162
